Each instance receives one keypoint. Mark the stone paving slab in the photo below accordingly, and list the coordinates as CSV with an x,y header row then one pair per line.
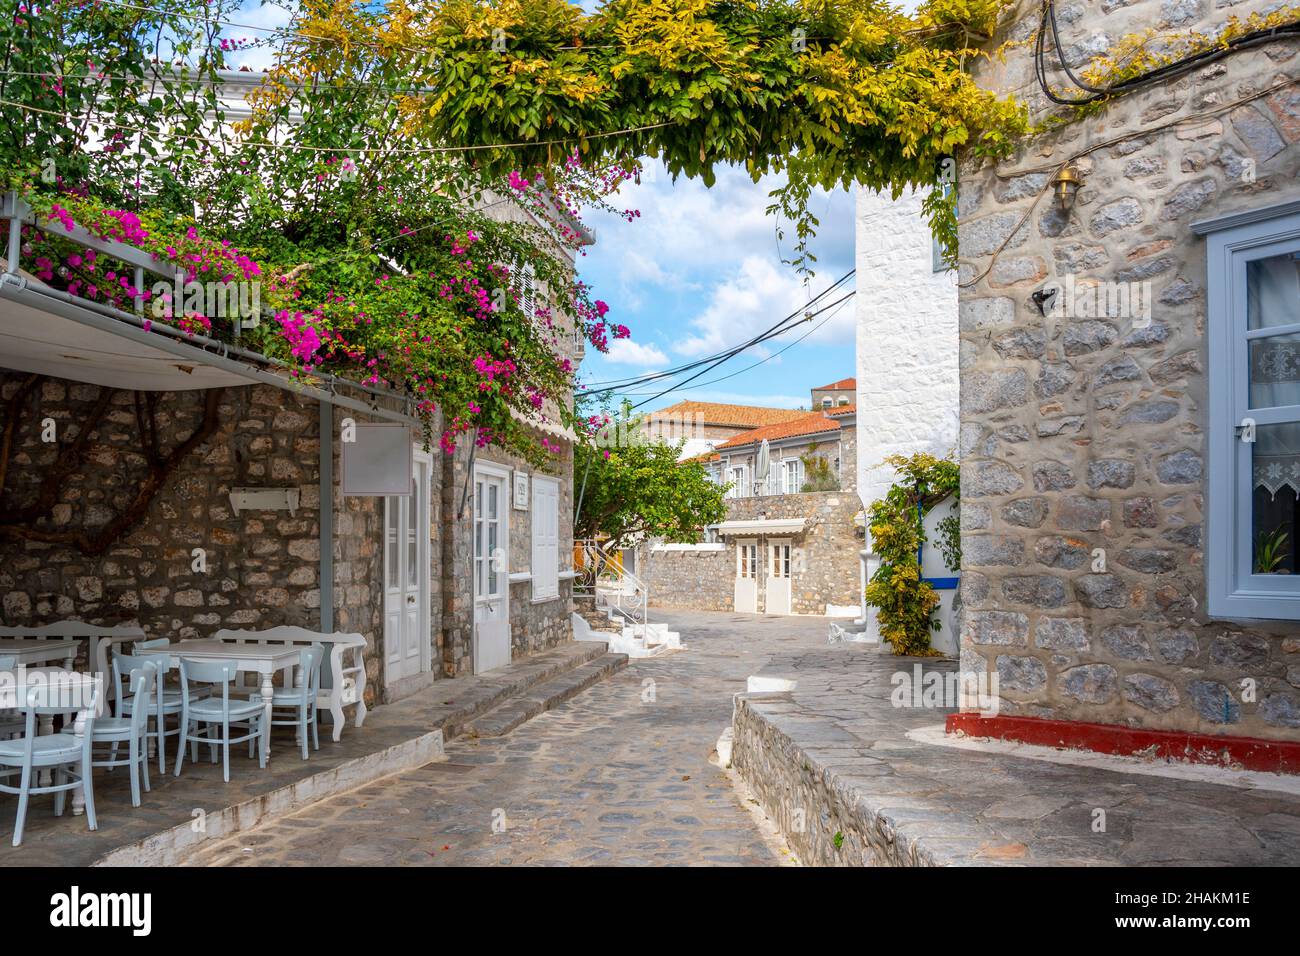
x,y
833,764
544,696
621,774
396,737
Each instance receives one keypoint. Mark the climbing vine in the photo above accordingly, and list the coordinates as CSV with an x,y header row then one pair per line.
x,y
904,602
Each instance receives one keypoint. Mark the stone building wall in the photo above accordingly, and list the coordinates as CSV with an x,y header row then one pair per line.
x,y
701,580
824,557
1089,432
261,568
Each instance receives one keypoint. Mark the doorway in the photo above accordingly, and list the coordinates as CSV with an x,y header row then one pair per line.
x,y
407,639
491,568
777,600
747,576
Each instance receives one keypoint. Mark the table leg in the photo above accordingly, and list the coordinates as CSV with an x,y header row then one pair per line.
x,y
44,726
268,691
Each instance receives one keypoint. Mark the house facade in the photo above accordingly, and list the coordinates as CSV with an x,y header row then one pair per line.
x,y
1129,390
790,540
702,426
264,503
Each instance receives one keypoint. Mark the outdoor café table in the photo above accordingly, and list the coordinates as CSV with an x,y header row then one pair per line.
x,y
263,659
59,686
48,651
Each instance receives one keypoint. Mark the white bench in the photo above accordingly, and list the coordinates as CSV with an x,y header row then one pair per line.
x,y
342,682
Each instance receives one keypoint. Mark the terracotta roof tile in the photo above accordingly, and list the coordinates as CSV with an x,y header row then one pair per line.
x,y
809,423
842,410
841,385
716,413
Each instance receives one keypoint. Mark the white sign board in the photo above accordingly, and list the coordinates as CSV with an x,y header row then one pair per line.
x,y
521,491
377,459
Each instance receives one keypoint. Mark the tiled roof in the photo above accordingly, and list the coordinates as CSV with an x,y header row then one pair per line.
x,y
841,385
808,423
715,413
842,410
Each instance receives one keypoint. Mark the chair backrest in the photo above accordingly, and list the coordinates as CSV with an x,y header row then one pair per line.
x,y
309,662
47,699
143,679
128,665
208,672
8,662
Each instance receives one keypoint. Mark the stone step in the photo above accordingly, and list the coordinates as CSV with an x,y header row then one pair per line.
x,y
544,696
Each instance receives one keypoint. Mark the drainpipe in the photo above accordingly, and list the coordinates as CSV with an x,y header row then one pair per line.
x,y
326,517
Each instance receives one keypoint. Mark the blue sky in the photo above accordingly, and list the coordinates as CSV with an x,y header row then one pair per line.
x,y
700,271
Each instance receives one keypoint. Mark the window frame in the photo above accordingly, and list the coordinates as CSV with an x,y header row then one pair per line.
x,y
1233,591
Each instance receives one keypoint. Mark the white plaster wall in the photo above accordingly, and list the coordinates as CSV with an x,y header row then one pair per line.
x,y
907,340
907,345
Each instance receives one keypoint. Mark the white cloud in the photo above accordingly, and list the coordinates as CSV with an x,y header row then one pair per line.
x,y
754,297
627,352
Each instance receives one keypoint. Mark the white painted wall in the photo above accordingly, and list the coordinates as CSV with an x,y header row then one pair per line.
x,y
907,348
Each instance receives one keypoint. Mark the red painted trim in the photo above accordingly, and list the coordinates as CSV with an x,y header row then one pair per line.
x,y
1245,753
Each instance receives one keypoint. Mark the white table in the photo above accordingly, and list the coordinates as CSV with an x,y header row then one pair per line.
x,y
263,659
80,693
34,651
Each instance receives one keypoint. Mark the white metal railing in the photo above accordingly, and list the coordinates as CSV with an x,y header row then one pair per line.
x,y
602,577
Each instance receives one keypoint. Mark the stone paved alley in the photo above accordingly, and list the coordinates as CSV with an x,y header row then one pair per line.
x,y
618,775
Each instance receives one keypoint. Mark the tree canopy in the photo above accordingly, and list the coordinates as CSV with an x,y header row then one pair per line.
x,y
640,490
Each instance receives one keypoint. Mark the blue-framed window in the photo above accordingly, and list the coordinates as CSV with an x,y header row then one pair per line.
x,y
1252,548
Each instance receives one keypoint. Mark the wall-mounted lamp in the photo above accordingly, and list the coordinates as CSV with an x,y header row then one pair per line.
x,y
1065,185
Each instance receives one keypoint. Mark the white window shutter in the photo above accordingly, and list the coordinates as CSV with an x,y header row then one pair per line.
x,y
546,537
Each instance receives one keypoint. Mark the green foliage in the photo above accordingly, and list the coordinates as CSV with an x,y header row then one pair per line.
x,y
1272,550
818,475
903,601
639,489
832,92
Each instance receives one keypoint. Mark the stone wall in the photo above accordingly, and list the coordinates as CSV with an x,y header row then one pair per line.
x,y
1088,432
702,580
259,569
824,557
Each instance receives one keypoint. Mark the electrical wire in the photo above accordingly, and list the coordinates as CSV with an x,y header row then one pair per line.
x,y
633,380
1163,72
807,318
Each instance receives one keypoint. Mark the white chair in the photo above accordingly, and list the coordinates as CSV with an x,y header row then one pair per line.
x,y
166,702
60,752
11,720
301,698
216,712
131,725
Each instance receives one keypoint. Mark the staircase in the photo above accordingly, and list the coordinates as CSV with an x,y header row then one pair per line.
x,y
616,602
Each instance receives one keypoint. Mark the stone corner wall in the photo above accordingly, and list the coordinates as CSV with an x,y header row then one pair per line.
x,y
1084,434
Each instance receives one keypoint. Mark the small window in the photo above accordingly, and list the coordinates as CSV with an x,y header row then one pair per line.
x,y
826,401
1252,551
843,401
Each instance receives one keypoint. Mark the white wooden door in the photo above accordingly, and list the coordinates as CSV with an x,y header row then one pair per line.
x,y
747,576
778,578
491,571
406,577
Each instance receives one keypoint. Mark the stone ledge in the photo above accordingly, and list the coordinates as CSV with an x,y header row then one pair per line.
x,y
833,764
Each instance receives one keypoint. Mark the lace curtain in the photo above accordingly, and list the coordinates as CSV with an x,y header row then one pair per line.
x,y
1273,299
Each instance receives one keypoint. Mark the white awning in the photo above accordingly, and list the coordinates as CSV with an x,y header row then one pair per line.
x,y
762,526
35,339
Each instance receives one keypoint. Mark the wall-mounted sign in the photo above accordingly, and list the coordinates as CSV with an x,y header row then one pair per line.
x,y
264,499
521,491
377,459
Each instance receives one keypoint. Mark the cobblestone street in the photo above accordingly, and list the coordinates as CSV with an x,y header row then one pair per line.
x,y
618,775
